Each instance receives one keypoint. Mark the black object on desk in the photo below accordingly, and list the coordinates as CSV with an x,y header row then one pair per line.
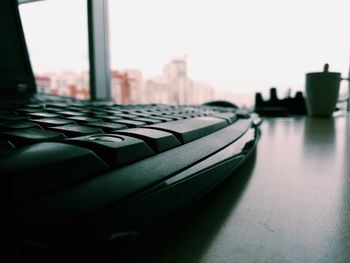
x,y
276,107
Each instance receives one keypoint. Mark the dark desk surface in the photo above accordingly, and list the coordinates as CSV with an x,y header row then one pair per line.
x,y
289,203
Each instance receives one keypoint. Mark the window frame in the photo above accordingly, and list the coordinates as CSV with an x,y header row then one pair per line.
x,y
98,42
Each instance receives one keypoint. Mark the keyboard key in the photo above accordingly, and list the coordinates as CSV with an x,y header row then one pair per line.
x,y
230,117
83,119
190,129
93,113
74,130
126,116
101,103
173,117
71,113
131,123
48,122
148,120
38,115
183,116
28,110
78,109
116,150
58,105
163,119
113,112
14,125
158,140
53,110
145,115
13,117
108,118
29,136
107,126
33,106
45,167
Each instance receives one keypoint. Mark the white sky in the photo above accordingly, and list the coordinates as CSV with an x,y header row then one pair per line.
x,y
242,45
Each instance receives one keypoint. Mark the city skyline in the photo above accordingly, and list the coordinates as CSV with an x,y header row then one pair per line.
x,y
172,86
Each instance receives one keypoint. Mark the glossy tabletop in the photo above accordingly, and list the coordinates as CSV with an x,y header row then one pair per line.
x,y
290,202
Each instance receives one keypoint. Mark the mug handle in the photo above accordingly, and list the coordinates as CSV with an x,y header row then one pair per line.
x,y
347,99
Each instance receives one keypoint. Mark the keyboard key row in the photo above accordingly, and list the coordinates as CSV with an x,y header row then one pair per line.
x,y
186,130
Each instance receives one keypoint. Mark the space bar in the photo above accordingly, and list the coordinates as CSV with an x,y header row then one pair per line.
x,y
191,129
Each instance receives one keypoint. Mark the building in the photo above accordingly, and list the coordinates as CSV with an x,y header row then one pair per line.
x,y
66,83
43,83
172,87
120,87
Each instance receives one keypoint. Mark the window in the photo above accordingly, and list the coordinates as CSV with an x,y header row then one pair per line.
x,y
190,51
57,39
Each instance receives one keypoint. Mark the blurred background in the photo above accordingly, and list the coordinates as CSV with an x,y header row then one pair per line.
x,y
190,51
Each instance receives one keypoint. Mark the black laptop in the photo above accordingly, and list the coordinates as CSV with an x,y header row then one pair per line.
x,y
85,173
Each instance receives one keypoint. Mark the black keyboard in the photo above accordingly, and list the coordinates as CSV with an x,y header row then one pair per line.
x,y
70,166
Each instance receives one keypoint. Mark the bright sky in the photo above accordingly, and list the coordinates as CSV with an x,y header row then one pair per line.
x,y
232,44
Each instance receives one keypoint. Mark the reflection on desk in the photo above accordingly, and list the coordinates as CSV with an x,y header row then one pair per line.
x,y
289,203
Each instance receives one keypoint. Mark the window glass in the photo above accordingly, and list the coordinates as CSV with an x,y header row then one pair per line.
x,y
191,51
57,39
